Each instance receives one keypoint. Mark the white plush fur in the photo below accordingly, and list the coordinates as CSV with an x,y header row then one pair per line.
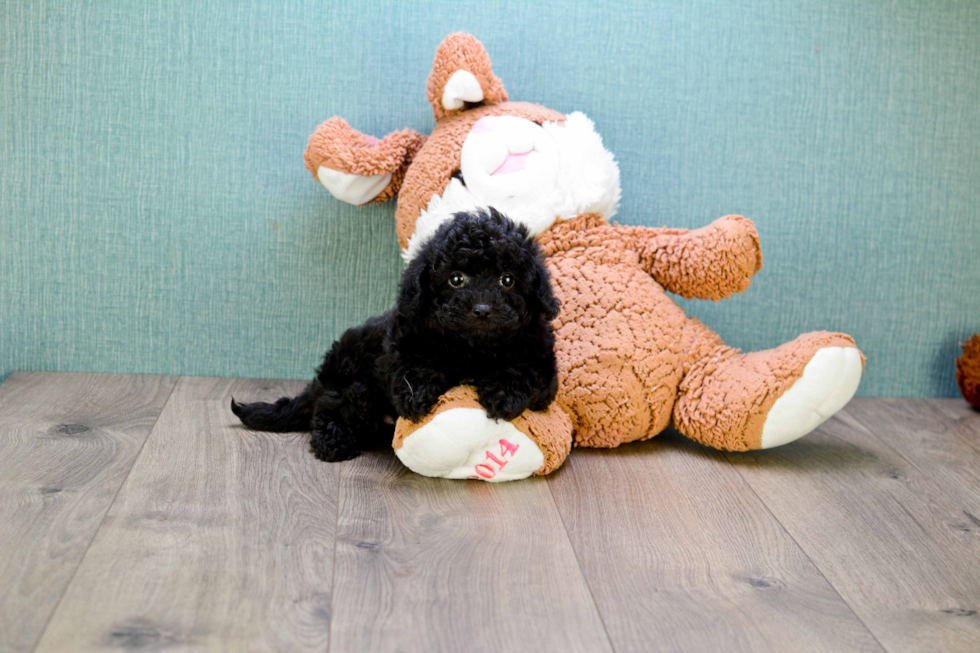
x,y
574,174
828,382
353,189
455,441
462,87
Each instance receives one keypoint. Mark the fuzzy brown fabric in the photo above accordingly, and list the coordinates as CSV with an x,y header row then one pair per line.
x,y
968,371
630,361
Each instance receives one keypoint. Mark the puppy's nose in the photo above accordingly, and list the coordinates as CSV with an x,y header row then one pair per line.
x,y
481,310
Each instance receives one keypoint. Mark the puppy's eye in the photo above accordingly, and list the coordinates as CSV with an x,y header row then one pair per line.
x,y
507,280
457,280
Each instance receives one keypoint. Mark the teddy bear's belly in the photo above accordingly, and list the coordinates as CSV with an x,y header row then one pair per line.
x,y
618,345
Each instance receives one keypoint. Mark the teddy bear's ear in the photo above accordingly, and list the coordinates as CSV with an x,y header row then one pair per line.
x,y
461,77
357,168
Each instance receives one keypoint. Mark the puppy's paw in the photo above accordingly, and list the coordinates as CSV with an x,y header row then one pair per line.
x,y
414,407
541,398
332,444
333,455
501,401
414,397
410,404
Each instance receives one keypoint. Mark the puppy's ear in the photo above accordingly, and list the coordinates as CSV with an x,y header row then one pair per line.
x,y
541,287
414,288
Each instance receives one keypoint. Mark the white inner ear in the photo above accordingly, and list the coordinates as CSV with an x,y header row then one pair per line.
x,y
461,87
353,189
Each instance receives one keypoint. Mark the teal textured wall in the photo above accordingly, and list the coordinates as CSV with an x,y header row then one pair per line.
x,y
155,215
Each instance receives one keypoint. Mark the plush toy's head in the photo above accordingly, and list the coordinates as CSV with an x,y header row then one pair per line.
x,y
532,163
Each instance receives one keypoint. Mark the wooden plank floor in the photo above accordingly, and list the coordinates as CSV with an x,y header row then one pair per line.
x,y
136,514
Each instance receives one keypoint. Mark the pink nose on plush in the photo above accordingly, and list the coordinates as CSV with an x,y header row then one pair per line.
x,y
513,163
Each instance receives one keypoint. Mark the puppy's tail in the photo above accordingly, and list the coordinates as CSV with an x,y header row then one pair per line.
x,y
287,414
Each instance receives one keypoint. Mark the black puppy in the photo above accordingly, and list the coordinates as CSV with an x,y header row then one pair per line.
x,y
475,307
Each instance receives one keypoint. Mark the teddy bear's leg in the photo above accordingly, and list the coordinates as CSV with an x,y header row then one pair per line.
x,y
458,440
739,402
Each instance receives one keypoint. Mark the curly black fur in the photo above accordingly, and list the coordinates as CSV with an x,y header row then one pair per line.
x,y
475,307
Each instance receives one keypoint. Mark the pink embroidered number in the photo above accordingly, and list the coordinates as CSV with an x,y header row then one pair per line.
x,y
485,470
489,473
500,463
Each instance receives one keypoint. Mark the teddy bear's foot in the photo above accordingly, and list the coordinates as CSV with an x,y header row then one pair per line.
x,y
458,440
828,382
740,402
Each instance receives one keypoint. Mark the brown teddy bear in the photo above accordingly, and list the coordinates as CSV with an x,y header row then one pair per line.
x,y
630,361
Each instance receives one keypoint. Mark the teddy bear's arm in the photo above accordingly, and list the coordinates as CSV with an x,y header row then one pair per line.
x,y
712,262
357,168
